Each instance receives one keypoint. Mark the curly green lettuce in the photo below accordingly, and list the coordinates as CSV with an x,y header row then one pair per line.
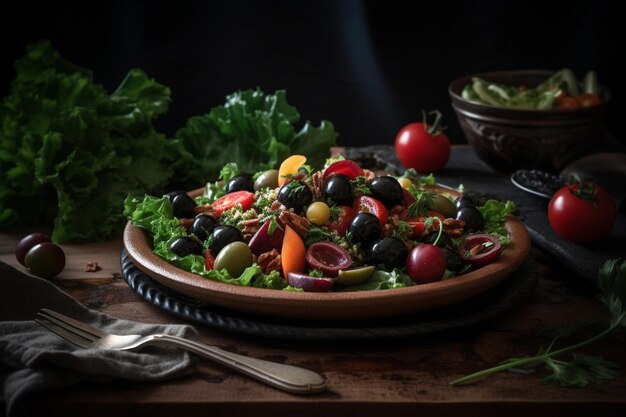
x,y
254,129
70,152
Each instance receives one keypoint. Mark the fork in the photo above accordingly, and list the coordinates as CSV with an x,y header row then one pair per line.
x,y
285,377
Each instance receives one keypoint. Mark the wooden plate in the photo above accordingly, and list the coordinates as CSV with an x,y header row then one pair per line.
x,y
333,305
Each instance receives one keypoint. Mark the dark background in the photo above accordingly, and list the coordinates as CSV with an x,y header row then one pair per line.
x,y
368,66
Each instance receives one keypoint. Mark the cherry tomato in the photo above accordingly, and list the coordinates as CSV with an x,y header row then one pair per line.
x,y
371,205
346,167
567,103
245,198
426,263
588,100
209,260
423,147
418,224
582,212
342,220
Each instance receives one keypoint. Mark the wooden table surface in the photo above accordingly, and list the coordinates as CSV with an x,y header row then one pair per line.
x,y
390,377
399,377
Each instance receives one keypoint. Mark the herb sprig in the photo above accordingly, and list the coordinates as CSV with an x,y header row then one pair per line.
x,y
581,370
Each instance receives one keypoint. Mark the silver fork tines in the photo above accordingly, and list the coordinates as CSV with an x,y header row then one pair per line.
x,y
286,377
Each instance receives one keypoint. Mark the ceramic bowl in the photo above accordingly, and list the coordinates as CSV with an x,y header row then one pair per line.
x,y
510,139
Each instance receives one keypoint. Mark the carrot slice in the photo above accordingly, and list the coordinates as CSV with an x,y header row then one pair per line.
x,y
293,253
289,167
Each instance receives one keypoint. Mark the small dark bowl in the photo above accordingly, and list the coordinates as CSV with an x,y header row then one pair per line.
x,y
510,139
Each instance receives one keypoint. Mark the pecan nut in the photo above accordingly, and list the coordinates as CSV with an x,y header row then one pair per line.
x,y
298,223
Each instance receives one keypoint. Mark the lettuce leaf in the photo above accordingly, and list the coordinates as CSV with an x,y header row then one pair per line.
x,y
70,152
253,129
155,215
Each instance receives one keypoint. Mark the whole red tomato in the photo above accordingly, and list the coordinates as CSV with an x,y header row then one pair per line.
x,y
582,212
423,147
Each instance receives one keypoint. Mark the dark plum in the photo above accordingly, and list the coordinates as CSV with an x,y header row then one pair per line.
x,y
387,190
186,245
183,205
364,229
203,226
241,182
45,260
388,251
27,242
222,236
339,189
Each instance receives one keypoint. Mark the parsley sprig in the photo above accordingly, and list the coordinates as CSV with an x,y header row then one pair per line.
x,y
581,370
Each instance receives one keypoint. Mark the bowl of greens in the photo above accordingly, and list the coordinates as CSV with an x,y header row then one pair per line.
x,y
533,119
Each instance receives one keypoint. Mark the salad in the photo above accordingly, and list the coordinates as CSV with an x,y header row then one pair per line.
x,y
559,91
341,228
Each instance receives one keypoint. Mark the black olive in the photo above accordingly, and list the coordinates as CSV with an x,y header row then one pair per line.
x,y
364,229
388,251
444,240
173,194
203,226
453,260
339,189
241,182
472,217
387,190
186,245
295,195
183,205
464,201
222,236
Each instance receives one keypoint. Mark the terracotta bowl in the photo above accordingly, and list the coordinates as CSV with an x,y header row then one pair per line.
x,y
332,305
510,139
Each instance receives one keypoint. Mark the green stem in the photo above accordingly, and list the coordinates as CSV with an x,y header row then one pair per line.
x,y
533,359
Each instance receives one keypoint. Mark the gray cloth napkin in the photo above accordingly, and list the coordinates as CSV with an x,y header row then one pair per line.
x,y
34,359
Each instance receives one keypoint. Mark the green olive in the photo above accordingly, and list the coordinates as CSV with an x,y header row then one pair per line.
x,y
235,257
355,276
443,205
268,179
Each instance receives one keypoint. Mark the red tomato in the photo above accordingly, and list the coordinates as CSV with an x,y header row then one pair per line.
x,y
588,100
209,260
342,221
230,200
346,167
567,103
582,213
418,224
371,205
422,147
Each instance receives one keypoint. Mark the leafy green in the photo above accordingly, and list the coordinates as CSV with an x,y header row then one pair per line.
x,y
70,152
582,369
383,280
156,216
254,129
495,213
